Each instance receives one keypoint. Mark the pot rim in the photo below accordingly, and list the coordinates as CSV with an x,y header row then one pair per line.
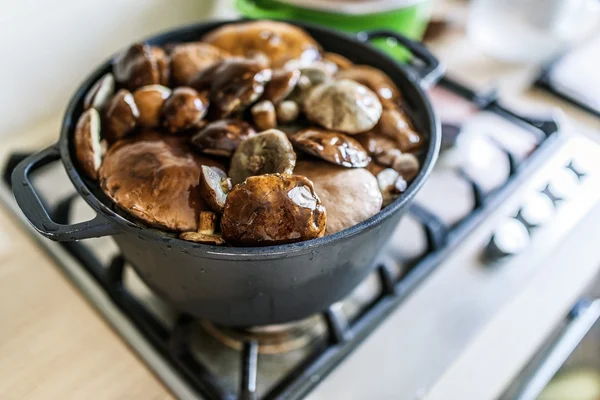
x,y
262,252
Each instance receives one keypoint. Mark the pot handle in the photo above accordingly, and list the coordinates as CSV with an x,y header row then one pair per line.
x,y
428,69
36,213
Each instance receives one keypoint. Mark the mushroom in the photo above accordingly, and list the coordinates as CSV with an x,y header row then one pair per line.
x,y
376,80
374,143
100,93
140,65
87,142
281,85
187,59
279,41
163,64
214,186
206,230
268,152
344,106
237,84
221,138
395,124
387,156
263,114
330,146
155,178
273,209
149,101
407,165
350,195
391,185
339,60
120,116
287,111
183,109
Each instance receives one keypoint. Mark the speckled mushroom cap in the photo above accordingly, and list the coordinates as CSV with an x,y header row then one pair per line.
x,y
278,41
350,195
156,179
273,209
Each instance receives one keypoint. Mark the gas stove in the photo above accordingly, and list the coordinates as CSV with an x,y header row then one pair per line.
x,y
501,180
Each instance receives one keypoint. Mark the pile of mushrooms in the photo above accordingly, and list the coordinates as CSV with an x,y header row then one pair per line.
x,y
251,136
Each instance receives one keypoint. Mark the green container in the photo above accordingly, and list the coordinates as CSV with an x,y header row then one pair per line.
x,y
408,17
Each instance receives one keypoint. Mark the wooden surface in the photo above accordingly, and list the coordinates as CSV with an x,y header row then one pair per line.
x,y
53,344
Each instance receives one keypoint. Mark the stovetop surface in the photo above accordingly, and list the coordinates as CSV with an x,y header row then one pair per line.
x,y
479,167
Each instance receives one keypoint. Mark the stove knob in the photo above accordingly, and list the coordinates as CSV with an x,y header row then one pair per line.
x,y
537,210
510,238
563,184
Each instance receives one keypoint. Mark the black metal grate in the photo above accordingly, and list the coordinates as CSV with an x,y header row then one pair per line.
x,y
343,335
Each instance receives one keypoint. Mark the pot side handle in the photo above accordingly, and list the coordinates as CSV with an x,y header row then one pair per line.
x,y
425,65
36,213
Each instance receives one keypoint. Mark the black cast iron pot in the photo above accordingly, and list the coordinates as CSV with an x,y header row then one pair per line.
x,y
245,286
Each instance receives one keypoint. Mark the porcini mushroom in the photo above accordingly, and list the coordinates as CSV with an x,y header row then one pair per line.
x,y
120,116
350,195
334,147
273,209
391,185
87,142
183,109
263,115
139,66
214,186
156,179
395,124
407,165
268,152
207,222
188,59
100,93
163,64
282,82
376,80
287,111
222,138
279,41
344,106
149,101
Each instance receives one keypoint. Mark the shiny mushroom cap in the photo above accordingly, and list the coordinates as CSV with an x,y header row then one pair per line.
x,y
120,116
214,186
281,85
278,41
350,195
343,105
273,209
395,124
188,59
184,109
156,179
374,79
140,65
222,138
149,101
334,147
269,152
87,142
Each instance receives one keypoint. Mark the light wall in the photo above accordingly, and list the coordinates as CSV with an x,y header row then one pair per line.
x,y
47,47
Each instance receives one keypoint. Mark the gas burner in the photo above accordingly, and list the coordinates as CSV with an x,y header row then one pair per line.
x,y
271,339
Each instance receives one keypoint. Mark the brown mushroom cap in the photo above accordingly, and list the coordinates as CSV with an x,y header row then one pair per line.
x,y
222,138
156,179
374,79
120,116
374,143
391,185
183,109
188,59
395,124
344,106
100,93
350,195
263,115
214,186
269,152
279,41
149,101
137,66
339,60
87,142
281,85
273,209
163,63
334,147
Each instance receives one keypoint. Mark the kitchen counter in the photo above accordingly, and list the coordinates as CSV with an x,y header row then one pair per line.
x,y
55,346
